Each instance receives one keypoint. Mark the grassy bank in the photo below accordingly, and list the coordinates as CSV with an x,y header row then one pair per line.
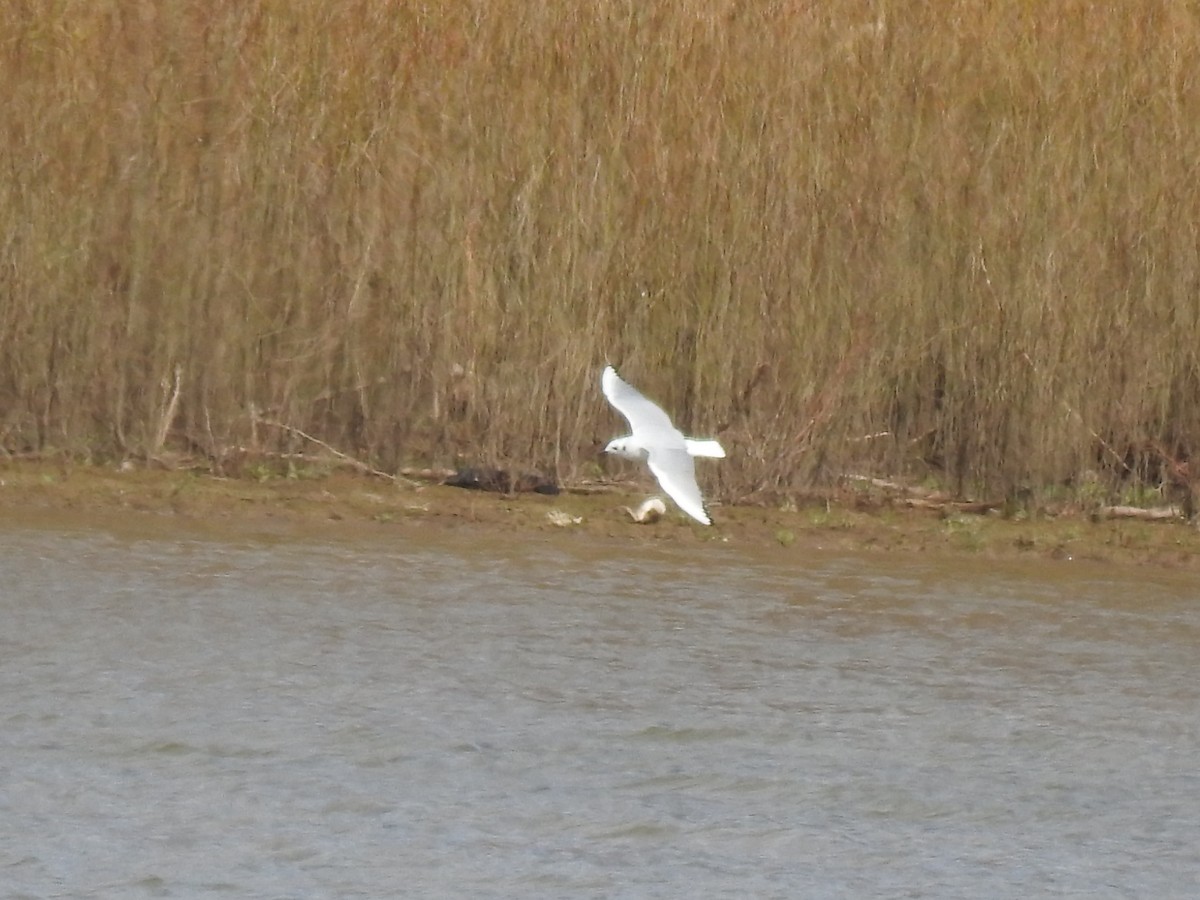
x,y
948,241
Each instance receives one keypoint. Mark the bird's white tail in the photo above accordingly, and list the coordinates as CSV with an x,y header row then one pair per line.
x,y
711,449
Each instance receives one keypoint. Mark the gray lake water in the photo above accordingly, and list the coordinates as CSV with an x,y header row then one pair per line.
x,y
424,713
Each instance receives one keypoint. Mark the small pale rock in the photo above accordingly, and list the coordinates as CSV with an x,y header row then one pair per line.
x,y
562,519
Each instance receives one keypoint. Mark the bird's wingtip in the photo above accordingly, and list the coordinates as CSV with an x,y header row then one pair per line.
x,y
608,379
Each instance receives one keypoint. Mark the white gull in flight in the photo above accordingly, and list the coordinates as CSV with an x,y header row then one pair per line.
x,y
659,444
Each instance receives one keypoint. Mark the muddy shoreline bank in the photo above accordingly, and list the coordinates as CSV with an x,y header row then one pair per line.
x,y
339,500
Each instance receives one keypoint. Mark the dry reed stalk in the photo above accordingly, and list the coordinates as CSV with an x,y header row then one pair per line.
x,y
170,410
321,210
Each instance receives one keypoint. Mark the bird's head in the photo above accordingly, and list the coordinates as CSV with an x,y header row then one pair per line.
x,y
627,448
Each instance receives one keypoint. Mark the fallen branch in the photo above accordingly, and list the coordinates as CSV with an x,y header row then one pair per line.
x,y
427,474
908,490
921,498
1157,514
882,483
979,507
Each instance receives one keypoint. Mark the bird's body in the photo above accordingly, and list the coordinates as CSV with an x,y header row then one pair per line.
x,y
655,441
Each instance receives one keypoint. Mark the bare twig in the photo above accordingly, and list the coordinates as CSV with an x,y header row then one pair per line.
x,y
825,403
1074,414
345,457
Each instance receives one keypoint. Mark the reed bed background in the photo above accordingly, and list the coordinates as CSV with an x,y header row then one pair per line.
x,y
946,240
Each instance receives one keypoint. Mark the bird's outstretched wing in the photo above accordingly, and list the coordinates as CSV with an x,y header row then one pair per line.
x,y
676,473
649,424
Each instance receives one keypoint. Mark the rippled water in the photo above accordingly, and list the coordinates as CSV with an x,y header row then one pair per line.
x,y
186,715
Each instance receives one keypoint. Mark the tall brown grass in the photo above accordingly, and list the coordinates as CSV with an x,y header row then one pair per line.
x,y
956,240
